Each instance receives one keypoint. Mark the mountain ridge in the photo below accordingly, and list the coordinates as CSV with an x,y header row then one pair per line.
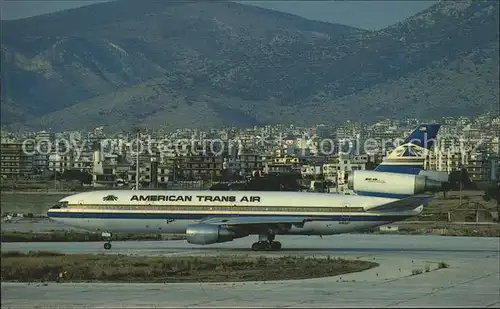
x,y
197,64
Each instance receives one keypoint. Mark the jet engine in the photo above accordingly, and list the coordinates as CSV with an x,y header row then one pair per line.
x,y
391,183
435,175
206,234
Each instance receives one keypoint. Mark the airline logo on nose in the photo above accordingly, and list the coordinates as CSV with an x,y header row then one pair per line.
x,y
110,198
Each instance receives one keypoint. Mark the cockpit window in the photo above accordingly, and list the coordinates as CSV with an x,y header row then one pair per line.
x,y
60,205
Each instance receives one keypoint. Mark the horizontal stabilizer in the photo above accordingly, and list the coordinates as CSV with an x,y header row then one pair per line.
x,y
253,220
405,204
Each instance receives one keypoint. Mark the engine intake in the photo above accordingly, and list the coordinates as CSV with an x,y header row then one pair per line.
x,y
205,234
391,183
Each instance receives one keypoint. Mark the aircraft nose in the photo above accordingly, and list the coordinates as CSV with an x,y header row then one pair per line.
x,y
51,214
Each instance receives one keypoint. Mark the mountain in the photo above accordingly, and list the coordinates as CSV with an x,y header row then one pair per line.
x,y
201,64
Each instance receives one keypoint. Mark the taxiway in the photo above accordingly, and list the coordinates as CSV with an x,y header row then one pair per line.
x,y
471,280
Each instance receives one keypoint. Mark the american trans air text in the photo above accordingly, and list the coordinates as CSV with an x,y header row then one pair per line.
x,y
199,198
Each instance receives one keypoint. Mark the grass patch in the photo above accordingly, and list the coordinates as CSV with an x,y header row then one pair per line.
x,y
46,266
73,236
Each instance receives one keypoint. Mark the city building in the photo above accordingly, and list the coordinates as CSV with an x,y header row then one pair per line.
x,y
16,159
313,151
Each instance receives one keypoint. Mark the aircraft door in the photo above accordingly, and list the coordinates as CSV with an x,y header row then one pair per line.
x,y
80,204
346,214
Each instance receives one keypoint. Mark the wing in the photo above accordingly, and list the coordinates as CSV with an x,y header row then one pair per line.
x,y
249,220
405,204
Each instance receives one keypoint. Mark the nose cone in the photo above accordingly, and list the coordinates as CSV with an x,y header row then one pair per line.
x,y
51,214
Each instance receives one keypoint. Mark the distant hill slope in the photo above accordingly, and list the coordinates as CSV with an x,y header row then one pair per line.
x,y
200,64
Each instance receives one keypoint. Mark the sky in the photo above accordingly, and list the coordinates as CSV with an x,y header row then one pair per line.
x,y
370,15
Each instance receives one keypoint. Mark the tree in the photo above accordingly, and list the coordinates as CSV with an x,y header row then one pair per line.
x,y
446,186
460,180
370,166
82,177
278,182
56,175
493,193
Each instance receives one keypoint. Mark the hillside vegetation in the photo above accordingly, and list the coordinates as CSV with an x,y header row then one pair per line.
x,y
201,64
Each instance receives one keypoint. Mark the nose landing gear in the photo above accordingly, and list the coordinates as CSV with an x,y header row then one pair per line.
x,y
107,237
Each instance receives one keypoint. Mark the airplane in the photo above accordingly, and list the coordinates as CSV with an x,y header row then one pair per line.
x,y
210,217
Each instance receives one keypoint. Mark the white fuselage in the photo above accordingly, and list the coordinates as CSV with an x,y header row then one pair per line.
x,y
170,212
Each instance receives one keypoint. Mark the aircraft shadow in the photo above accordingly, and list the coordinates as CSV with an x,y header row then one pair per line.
x,y
333,250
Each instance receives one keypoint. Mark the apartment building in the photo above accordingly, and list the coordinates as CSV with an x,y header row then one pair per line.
x,y
311,171
203,160
476,164
477,167
40,163
231,166
164,174
201,166
446,161
336,168
323,131
16,159
286,164
147,174
249,161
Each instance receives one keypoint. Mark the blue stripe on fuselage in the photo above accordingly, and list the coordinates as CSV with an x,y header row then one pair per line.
x,y
401,169
161,216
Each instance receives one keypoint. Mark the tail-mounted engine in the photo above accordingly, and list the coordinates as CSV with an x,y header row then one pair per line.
x,y
436,175
392,183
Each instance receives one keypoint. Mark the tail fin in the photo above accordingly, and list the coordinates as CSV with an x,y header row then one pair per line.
x,y
409,157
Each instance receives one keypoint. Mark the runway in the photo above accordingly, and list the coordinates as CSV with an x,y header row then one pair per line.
x,y
471,280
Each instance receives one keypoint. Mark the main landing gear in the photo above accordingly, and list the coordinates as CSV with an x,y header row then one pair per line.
x,y
266,243
107,237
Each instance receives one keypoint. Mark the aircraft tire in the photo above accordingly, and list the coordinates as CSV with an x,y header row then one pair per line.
x,y
107,246
256,246
276,245
266,246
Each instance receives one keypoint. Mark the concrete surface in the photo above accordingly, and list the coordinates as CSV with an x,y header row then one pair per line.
x,y
471,280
